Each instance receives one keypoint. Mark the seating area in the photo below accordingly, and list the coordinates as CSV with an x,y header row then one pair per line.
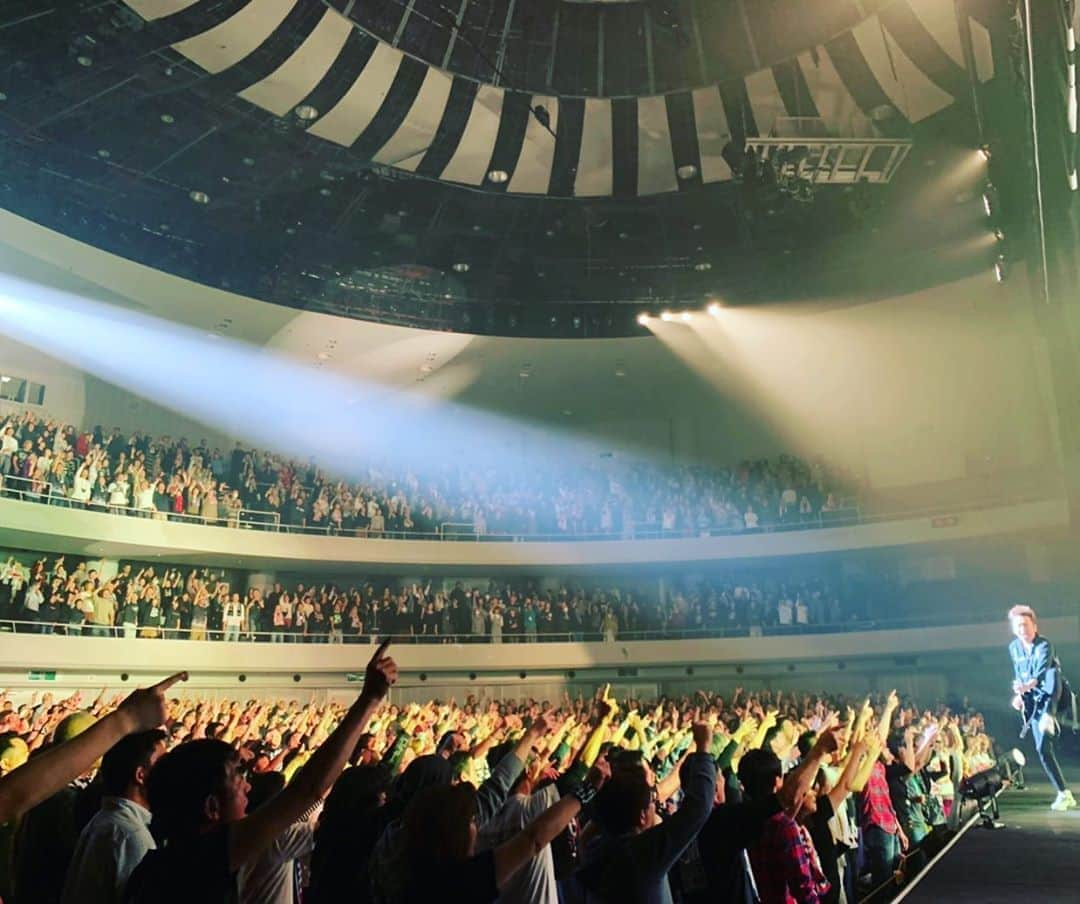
x,y
69,595
696,764
172,478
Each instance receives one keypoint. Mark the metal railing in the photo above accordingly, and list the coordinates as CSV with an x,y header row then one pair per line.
x,y
945,618
22,489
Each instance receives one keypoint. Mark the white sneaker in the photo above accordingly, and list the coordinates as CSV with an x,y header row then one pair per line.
x,y
1064,801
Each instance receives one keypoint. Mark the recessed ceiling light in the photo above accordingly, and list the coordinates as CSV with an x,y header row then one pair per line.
x,y
476,227
289,230
248,161
624,235
325,192
461,267
702,266
167,118
306,112
498,176
84,60
5,379
199,197
686,171
104,154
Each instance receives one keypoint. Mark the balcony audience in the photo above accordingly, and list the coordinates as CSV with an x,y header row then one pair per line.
x,y
42,460
154,602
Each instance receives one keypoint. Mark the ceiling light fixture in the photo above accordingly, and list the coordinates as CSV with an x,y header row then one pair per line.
x,y
248,161
702,266
199,197
498,176
461,267
306,112
84,60
168,119
686,171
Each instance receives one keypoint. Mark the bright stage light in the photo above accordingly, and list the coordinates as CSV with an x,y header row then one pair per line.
x,y
713,309
685,316
667,316
984,152
643,319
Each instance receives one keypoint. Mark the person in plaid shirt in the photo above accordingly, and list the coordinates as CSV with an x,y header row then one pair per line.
x,y
780,858
883,838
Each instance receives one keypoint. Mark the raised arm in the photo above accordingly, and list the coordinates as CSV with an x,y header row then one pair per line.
x,y
530,841
251,836
46,774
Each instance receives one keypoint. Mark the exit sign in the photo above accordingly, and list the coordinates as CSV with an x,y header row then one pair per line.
x,y
41,676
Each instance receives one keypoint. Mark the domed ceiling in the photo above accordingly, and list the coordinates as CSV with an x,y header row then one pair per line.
x,y
540,167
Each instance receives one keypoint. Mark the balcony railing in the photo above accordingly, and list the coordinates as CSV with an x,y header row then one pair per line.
x,y
241,634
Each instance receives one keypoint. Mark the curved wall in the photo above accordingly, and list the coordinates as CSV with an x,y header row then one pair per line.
x,y
934,386
927,662
28,525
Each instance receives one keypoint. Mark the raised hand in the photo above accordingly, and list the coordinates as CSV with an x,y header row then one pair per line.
x,y
380,674
599,773
147,707
702,732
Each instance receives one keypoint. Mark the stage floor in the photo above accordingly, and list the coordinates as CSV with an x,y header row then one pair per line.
x,y
1033,859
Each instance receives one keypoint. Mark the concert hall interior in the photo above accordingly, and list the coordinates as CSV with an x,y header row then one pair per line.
x,y
539,451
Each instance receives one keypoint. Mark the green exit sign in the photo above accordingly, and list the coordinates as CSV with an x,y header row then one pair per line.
x,y
41,676
354,677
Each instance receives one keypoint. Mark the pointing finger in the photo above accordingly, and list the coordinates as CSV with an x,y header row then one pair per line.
x,y
166,683
381,652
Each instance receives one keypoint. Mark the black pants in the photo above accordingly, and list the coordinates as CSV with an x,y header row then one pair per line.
x,y
1044,747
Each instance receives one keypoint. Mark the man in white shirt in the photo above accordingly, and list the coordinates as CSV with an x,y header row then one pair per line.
x,y
535,882
785,612
118,837
271,878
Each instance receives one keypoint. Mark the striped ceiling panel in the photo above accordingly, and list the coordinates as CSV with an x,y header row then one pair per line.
x,y
392,109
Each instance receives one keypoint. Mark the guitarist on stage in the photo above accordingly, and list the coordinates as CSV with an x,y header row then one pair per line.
x,y
1037,686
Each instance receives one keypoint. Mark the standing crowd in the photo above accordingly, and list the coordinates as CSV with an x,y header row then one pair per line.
x,y
58,596
167,478
803,798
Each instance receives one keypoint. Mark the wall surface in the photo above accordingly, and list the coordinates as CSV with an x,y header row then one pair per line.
x,y
28,525
65,386
870,659
934,386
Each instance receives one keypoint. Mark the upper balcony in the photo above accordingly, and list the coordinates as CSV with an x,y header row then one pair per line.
x,y
58,528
